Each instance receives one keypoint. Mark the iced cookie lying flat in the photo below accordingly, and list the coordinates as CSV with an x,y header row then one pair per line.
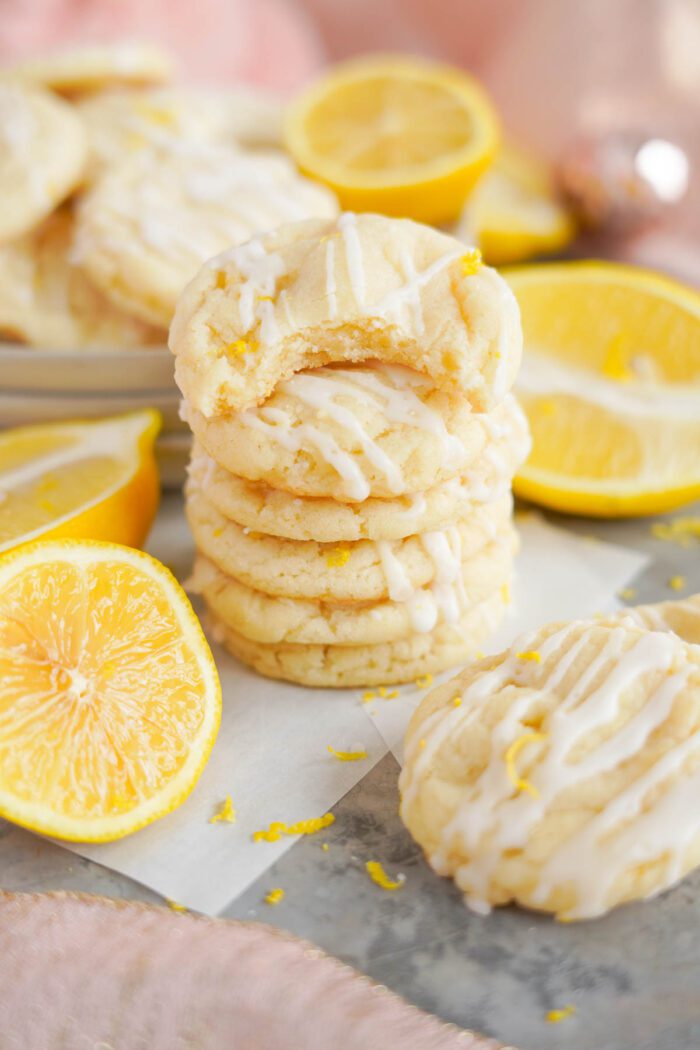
x,y
563,773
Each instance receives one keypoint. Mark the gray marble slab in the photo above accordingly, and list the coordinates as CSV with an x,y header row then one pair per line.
x,y
633,976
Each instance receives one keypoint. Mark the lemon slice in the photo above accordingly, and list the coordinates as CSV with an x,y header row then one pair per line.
x,y
513,213
611,386
395,135
80,480
110,700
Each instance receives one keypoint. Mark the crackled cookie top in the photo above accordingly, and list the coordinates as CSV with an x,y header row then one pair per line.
x,y
43,151
357,288
148,225
562,773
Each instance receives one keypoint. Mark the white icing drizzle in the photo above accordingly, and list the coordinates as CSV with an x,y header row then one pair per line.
x,y
392,306
261,271
493,818
330,280
347,224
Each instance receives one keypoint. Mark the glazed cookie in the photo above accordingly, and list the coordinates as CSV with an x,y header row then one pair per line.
x,y
123,122
379,431
43,151
680,617
256,506
96,66
448,645
563,773
357,288
361,571
147,226
263,618
47,301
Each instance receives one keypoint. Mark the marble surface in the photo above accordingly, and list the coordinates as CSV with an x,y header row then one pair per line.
x,y
632,976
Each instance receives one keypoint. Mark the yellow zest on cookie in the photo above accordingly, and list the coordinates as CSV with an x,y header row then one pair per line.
x,y
221,282
226,814
683,531
456,701
530,654
156,115
274,896
302,827
627,594
505,593
616,365
677,583
449,361
174,905
510,758
347,756
424,680
555,1016
239,347
377,874
338,557
422,742
471,262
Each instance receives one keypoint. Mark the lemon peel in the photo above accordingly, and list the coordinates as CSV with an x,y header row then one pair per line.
x,y
226,813
555,1016
684,530
338,557
347,756
456,701
530,655
511,755
677,583
379,876
175,905
302,827
424,680
627,594
471,262
274,896
388,694
368,696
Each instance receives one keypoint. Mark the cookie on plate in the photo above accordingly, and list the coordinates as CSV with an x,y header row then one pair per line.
x,y
358,288
365,431
562,773
147,226
47,301
90,67
43,152
391,663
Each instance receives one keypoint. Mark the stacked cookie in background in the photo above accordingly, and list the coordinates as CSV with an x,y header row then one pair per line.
x,y
348,384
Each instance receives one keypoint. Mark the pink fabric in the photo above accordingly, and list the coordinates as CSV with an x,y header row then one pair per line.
x,y
85,971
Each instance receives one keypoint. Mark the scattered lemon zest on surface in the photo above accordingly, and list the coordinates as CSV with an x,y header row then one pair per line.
x,y
456,701
217,532
226,813
274,896
422,742
338,557
505,593
325,847
265,298
175,905
616,364
424,680
627,594
368,696
347,756
221,282
302,827
377,874
677,583
684,530
388,694
530,655
239,347
449,361
471,262
555,1016
511,755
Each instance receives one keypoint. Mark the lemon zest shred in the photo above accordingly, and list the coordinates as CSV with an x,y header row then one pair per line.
x,y
347,756
388,694
239,347
377,874
302,827
683,530
505,593
325,847
471,262
368,696
422,742
175,905
456,701
555,1016
221,281
530,655
274,896
627,594
338,557
424,680
511,755
677,583
226,813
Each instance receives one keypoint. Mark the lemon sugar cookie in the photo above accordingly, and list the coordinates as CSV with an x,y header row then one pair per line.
x,y
366,431
362,287
89,67
147,226
43,151
562,773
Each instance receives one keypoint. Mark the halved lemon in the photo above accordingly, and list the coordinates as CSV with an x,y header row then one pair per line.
x,y
110,701
395,135
513,213
611,386
92,480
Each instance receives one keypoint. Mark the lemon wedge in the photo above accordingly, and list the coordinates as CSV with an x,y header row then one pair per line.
x,y
395,135
110,700
611,386
93,480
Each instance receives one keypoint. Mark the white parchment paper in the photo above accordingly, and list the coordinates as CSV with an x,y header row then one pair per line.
x,y
272,756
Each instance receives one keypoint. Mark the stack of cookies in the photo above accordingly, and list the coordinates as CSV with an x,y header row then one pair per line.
x,y
348,384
